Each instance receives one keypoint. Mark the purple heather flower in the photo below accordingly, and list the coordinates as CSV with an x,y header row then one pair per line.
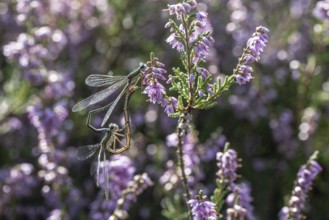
x,y
227,166
210,88
154,73
199,37
56,214
191,78
244,75
48,120
236,212
101,208
174,41
204,72
182,8
158,73
248,59
201,32
241,193
21,181
134,188
120,172
202,210
169,109
305,178
172,140
255,46
321,10
200,93
155,92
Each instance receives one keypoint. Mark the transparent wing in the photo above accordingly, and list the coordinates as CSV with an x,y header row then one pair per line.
x,y
98,80
98,168
95,167
85,152
99,96
106,176
114,103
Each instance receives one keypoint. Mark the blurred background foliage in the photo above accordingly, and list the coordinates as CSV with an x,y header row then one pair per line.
x,y
274,123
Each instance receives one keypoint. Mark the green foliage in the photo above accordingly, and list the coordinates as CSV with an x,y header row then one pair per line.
x,y
219,196
173,208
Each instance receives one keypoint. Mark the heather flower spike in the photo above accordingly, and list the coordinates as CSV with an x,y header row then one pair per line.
x,y
134,188
255,46
305,177
239,203
321,10
228,163
201,208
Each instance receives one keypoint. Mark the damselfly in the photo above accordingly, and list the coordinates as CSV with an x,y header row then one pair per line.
x,y
114,83
109,143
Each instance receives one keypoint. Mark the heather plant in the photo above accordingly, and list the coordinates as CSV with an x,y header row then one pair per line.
x,y
215,76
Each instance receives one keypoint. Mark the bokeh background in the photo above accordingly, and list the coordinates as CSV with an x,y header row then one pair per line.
x,y
275,123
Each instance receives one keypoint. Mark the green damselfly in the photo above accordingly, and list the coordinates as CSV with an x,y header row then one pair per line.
x,y
110,143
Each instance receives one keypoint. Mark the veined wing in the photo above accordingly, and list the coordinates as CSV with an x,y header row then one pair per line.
x,y
97,167
85,152
98,80
114,103
97,97
106,176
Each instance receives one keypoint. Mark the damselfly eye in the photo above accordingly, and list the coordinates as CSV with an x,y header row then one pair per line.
x,y
113,127
142,66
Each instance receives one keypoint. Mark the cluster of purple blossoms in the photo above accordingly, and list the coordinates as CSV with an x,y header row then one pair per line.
x,y
241,197
120,172
19,183
199,38
47,121
303,184
154,89
203,210
134,188
255,46
123,186
236,212
321,10
209,87
182,9
31,51
53,173
227,166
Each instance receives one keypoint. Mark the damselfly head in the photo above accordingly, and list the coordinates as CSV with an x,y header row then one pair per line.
x,y
113,127
142,66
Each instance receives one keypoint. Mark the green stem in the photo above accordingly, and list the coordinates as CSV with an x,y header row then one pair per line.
x,y
181,165
188,59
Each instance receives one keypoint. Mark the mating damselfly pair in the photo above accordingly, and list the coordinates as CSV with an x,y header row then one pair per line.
x,y
112,141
